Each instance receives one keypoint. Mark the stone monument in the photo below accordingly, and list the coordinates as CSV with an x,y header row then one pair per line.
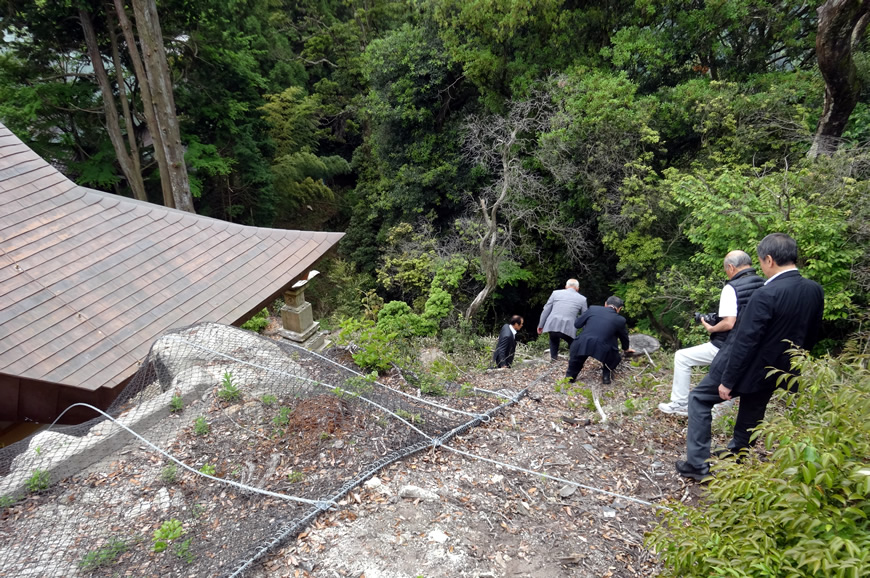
x,y
298,320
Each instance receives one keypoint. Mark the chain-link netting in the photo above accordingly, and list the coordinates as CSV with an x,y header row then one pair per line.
x,y
224,445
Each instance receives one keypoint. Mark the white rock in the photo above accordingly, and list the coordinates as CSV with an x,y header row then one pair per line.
x,y
415,493
567,490
437,536
374,482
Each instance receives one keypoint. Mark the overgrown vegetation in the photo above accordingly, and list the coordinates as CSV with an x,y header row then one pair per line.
x,y
801,512
167,532
39,481
229,390
258,322
104,556
176,404
200,426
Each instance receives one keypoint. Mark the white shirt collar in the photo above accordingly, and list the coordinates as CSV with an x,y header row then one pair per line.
x,y
778,274
514,331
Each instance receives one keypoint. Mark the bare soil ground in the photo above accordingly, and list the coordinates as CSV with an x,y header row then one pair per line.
x,y
488,520
461,516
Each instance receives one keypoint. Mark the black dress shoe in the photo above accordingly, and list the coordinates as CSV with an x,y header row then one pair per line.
x,y
689,471
605,379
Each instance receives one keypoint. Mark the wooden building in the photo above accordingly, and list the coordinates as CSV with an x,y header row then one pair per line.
x,y
88,281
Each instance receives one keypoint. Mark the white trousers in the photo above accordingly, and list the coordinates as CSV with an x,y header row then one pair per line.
x,y
684,361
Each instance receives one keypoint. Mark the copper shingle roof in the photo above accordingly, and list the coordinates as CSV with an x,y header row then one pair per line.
x,y
88,280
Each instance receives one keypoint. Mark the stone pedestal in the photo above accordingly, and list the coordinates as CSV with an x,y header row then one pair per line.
x,y
298,320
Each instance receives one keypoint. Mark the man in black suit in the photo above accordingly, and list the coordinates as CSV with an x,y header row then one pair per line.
x,y
602,326
503,356
784,313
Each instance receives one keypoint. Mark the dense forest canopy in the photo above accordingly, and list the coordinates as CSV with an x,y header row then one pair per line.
x,y
477,152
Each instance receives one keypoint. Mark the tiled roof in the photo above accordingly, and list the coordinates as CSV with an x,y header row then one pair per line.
x,y
88,280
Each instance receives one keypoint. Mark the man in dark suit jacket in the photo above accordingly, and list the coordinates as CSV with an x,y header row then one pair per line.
x,y
503,356
784,313
602,326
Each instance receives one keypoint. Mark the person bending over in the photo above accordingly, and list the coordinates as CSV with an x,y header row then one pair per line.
x,y
602,328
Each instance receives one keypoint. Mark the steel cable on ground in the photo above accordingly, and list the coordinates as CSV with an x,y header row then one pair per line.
x,y
297,526
313,354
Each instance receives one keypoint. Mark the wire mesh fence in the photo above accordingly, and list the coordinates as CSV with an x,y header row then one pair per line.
x,y
224,445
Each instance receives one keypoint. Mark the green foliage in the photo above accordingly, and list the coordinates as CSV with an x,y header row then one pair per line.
x,y
7,501
103,556
200,426
576,389
208,469
375,349
182,550
282,419
258,322
268,399
169,474
734,208
414,418
204,160
299,173
38,481
229,390
167,532
176,404
801,512
295,477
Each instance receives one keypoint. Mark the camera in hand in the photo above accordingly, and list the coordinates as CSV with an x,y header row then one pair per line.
x,y
710,318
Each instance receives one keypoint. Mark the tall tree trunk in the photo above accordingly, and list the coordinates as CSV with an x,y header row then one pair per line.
x,y
147,103
841,24
129,166
125,104
160,82
489,261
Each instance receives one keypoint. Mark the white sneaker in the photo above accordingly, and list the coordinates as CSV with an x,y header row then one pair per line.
x,y
674,408
721,408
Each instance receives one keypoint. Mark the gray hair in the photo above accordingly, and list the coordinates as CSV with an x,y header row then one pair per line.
x,y
738,259
572,283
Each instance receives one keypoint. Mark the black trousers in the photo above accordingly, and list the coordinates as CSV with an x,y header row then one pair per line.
x,y
575,366
701,401
555,338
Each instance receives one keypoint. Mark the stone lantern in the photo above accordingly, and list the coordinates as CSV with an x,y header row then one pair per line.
x,y
298,320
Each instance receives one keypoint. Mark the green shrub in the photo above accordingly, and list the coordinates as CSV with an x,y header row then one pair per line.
x,y
104,556
176,403
38,481
200,426
802,512
208,469
258,322
168,531
6,501
182,550
229,390
268,399
283,417
169,474
375,349
414,418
